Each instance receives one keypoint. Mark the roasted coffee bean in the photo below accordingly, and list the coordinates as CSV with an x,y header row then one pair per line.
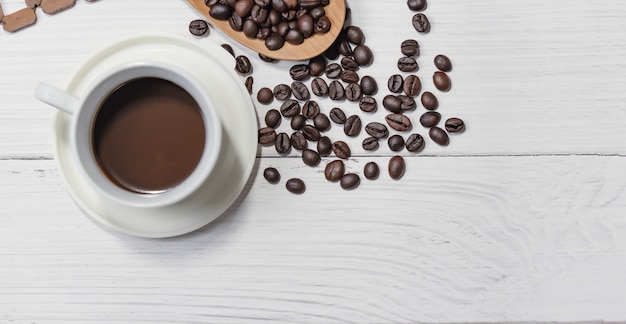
x,y
392,103
310,109
317,65
305,25
274,42
298,141
350,181
439,136
333,71
259,14
332,52
377,130
429,101
236,22
348,63
265,96
341,150
442,81
371,171
421,23
412,85
309,3
370,143
443,63
395,143
282,143
414,143
349,76
354,35
399,122
321,122
317,12
353,92
416,5
266,58
310,157
300,91
395,83
336,91
295,186
407,64
455,125
311,133
369,85
243,7
271,175
243,65
410,47
282,92
368,104
220,11
297,122
345,48
267,135
334,170
209,3
250,28
407,103
363,55
322,25
198,27
319,87
299,72
337,115
290,108
430,119
294,36
352,127
249,83
324,146
273,118
228,49
396,167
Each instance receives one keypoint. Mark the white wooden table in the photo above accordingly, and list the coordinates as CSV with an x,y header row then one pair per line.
x,y
521,218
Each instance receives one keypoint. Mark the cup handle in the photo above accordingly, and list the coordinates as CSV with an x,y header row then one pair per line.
x,y
56,97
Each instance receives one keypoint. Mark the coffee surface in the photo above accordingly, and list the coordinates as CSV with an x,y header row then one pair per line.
x,y
149,135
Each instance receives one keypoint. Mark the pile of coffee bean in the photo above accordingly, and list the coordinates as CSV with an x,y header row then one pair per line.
x,y
28,16
274,21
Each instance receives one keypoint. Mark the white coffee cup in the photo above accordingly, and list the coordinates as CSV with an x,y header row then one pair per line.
x,y
84,108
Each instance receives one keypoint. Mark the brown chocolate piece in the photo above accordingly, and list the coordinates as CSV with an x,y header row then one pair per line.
x,y
19,19
32,3
53,6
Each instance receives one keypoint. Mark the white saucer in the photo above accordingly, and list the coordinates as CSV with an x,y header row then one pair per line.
x,y
213,67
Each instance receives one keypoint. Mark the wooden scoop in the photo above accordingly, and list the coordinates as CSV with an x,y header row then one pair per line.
x,y
311,47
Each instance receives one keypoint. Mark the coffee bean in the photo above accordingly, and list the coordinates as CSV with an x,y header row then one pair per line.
x,y
322,25
235,22
321,122
243,65
350,181
370,143
349,76
455,125
336,91
371,171
317,12
439,136
272,118
396,167
317,65
333,71
407,103
310,157
396,143
416,5
324,146
442,81
299,72
265,96
443,63
399,122
332,52
250,28
352,127
229,49
267,135
345,48
348,63
290,108
271,175
295,186
429,101
298,141
282,92
337,115
353,92
341,150
421,23
334,170
300,91
248,83
368,104
392,103
282,143
305,25
414,143
266,58
354,35
243,7
311,133
310,109
395,83
274,42
198,27
211,2
363,55
410,47
319,87
297,122
407,64
412,85
377,130
221,11
430,119
369,85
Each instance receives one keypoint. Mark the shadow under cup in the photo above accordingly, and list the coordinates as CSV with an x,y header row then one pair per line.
x,y
151,135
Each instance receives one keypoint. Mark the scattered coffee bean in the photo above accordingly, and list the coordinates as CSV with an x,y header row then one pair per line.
x,y
267,59
265,96
353,92
324,146
299,72
371,171
345,48
439,136
249,83
352,127
369,85
399,122
350,181
310,109
410,47
430,119
392,103
412,85
341,150
370,143
348,63
333,71
319,87
267,135
395,143
298,141
243,65
300,91
407,103
271,175
334,170
317,66
336,91
421,23
295,186
414,143
349,76
407,64
368,104
363,55
198,27
416,5
442,81
337,115
229,49
321,122
311,133
272,118
396,167
297,122
310,157
455,125
443,63
377,130
290,108
395,83
429,101
282,92
282,144
355,35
